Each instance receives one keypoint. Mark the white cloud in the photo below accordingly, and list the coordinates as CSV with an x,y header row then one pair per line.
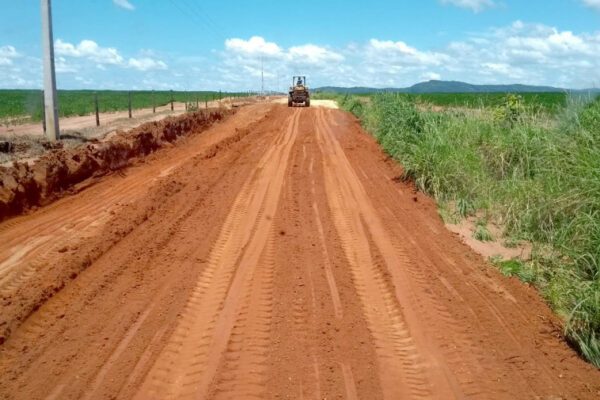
x,y
90,50
7,55
125,4
595,4
430,76
18,70
257,57
475,5
146,64
517,53
102,57
255,46
401,53
62,66
531,53
312,54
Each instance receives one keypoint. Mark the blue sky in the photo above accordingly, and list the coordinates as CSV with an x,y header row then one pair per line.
x,y
193,44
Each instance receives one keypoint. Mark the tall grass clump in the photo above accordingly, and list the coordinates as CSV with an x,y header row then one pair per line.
x,y
535,173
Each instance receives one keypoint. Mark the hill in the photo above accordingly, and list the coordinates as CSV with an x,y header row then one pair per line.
x,y
452,87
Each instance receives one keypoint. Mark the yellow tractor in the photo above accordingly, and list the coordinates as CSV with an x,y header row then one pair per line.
x,y
299,94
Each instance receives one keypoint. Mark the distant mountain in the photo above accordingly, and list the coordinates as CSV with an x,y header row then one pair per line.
x,y
452,87
461,87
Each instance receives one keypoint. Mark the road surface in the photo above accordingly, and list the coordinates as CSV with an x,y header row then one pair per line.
x,y
275,255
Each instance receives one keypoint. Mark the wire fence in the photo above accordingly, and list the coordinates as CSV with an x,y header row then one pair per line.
x,y
19,106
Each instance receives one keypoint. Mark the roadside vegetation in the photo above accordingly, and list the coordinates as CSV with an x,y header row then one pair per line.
x,y
529,164
28,103
550,103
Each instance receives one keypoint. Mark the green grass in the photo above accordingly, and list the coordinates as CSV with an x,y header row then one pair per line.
x,y
17,103
482,234
532,169
539,102
550,102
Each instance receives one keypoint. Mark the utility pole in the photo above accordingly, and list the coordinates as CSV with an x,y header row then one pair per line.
x,y
50,99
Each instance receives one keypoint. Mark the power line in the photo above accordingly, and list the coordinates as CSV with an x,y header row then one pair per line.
x,y
197,18
197,8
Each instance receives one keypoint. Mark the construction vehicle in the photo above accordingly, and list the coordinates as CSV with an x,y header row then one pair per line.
x,y
299,94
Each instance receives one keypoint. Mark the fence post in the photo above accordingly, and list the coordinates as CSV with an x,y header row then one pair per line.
x,y
129,101
171,100
96,107
153,103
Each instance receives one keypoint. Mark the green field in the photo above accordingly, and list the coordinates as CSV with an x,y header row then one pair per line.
x,y
539,101
28,103
536,102
536,174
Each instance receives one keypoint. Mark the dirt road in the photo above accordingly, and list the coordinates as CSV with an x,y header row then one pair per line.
x,y
111,121
275,255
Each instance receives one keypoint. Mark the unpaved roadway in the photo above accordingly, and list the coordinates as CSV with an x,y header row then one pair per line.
x,y
275,255
112,121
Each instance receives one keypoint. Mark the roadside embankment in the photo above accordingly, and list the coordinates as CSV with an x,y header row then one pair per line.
x,y
25,185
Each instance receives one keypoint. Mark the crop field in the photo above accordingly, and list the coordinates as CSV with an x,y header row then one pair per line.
x,y
534,174
28,103
540,101
536,102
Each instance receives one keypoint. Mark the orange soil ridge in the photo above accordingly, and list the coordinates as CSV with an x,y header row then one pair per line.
x,y
23,186
273,256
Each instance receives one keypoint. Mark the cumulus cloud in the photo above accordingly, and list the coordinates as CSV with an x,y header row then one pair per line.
x,y
102,57
533,53
7,55
255,46
517,53
18,70
430,76
313,54
125,4
62,66
90,50
401,53
520,52
256,57
595,4
146,64
475,5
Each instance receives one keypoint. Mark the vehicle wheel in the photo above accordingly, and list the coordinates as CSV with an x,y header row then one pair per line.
x,y
290,103
307,103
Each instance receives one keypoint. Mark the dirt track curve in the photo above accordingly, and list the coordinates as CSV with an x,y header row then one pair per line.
x,y
275,255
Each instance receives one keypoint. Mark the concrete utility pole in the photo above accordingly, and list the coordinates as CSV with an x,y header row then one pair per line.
x,y
50,100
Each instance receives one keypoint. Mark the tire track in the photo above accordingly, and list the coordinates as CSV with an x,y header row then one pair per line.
x,y
188,365
245,362
468,354
406,368
64,225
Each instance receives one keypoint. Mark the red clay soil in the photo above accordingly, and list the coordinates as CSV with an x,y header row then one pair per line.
x,y
23,186
273,256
